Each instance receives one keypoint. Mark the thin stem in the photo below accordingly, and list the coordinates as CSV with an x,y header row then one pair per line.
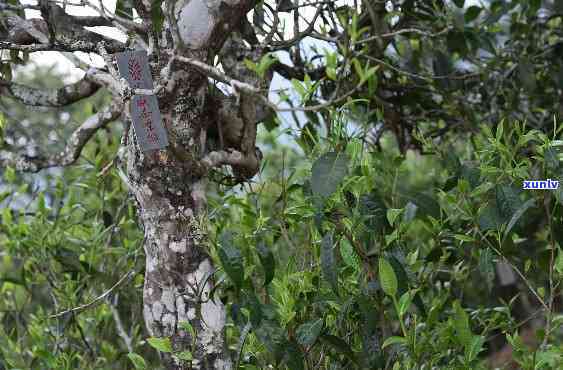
x,y
549,312
396,304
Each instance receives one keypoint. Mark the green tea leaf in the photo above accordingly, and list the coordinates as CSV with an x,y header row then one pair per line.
x,y
405,302
137,361
10,175
186,326
518,214
254,307
393,340
490,218
374,212
349,256
507,200
327,173
392,215
472,13
474,348
461,324
265,63
160,344
293,356
339,345
267,260
308,332
328,262
231,259
184,355
387,277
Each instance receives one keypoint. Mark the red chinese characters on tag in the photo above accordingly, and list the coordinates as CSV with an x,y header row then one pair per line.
x,y
147,123
146,117
135,70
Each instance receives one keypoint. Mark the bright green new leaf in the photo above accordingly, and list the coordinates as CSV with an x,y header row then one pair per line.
x,y
474,348
160,344
9,175
137,361
393,340
265,63
404,303
392,214
461,324
186,326
464,238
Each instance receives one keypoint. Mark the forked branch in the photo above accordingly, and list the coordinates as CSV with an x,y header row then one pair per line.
x,y
71,152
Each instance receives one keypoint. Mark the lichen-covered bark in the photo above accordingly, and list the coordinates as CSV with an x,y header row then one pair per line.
x,y
171,205
178,273
169,186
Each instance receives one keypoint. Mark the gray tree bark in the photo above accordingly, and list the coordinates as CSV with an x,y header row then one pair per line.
x,y
170,188
168,184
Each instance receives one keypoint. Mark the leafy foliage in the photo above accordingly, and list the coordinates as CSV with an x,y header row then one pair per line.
x,y
348,251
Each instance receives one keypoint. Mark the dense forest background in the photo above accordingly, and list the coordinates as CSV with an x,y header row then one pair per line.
x,y
387,228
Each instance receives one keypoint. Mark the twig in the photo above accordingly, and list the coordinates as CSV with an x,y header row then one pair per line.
x,y
242,341
252,90
83,336
422,77
96,300
120,329
121,23
551,284
526,282
400,32
287,43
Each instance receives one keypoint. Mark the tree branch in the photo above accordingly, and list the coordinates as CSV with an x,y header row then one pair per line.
x,y
119,325
49,97
244,87
112,19
232,158
25,31
289,72
4,6
280,45
72,151
85,46
97,300
400,32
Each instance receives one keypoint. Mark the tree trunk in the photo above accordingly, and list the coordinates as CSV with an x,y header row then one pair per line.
x,y
169,186
178,276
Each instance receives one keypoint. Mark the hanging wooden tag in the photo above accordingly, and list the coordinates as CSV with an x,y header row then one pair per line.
x,y
147,122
